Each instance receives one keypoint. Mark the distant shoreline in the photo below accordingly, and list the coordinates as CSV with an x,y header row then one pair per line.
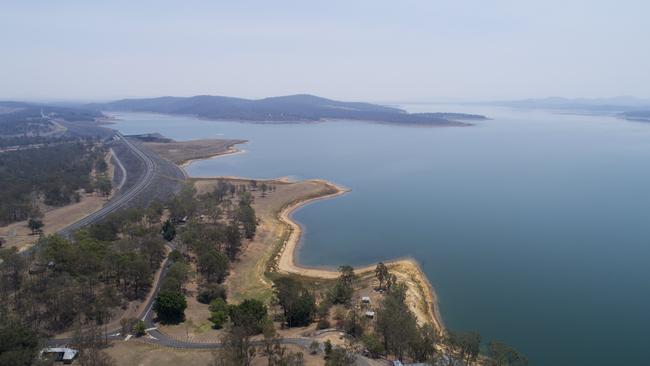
x,y
452,123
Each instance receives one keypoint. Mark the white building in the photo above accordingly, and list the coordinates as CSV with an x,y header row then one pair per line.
x,y
62,354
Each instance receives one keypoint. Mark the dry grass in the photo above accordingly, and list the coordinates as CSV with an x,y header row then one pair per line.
x,y
18,235
137,353
184,151
197,326
142,354
276,241
247,277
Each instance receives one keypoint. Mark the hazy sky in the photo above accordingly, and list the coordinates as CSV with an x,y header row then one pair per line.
x,y
354,50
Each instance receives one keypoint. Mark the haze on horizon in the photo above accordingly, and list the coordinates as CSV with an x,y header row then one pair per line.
x,y
361,50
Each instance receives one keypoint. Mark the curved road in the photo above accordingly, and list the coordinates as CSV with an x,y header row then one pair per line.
x,y
155,336
123,198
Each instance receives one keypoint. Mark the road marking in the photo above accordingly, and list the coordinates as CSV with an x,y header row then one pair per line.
x,y
150,329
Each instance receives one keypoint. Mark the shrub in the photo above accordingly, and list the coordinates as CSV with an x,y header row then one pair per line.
x,y
314,347
218,319
170,306
211,291
250,315
176,256
139,328
323,324
373,344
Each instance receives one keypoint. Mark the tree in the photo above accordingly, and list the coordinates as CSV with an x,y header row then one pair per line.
x,y
154,212
347,275
139,328
248,315
246,215
34,224
464,346
18,343
297,303
373,345
237,350
340,357
391,281
382,274
103,184
423,346
95,357
184,204
270,341
170,306
233,241
353,324
396,323
218,312
176,256
504,355
327,347
211,291
168,230
342,291
213,265
314,347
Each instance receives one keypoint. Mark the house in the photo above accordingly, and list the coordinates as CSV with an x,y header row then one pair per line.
x,y
398,363
365,300
370,314
62,354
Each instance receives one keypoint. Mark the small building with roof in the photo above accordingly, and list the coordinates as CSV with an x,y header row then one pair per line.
x,y
63,354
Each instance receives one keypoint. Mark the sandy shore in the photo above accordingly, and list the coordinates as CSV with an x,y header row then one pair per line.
x,y
422,298
231,150
183,153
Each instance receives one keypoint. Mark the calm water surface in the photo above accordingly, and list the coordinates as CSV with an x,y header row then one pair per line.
x,y
533,227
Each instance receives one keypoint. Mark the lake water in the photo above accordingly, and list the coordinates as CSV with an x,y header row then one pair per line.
x,y
533,227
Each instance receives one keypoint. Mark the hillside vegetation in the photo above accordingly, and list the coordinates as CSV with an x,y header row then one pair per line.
x,y
50,175
292,108
25,119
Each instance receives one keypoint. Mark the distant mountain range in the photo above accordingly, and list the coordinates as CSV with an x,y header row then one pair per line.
x,y
291,108
613,105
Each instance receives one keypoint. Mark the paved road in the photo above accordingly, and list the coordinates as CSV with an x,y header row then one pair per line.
x,y
151,163
121,200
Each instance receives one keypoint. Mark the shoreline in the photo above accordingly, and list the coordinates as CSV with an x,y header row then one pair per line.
x,y
407,270
230,150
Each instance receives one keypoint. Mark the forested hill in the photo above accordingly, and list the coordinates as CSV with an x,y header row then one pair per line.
x,y
292,108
